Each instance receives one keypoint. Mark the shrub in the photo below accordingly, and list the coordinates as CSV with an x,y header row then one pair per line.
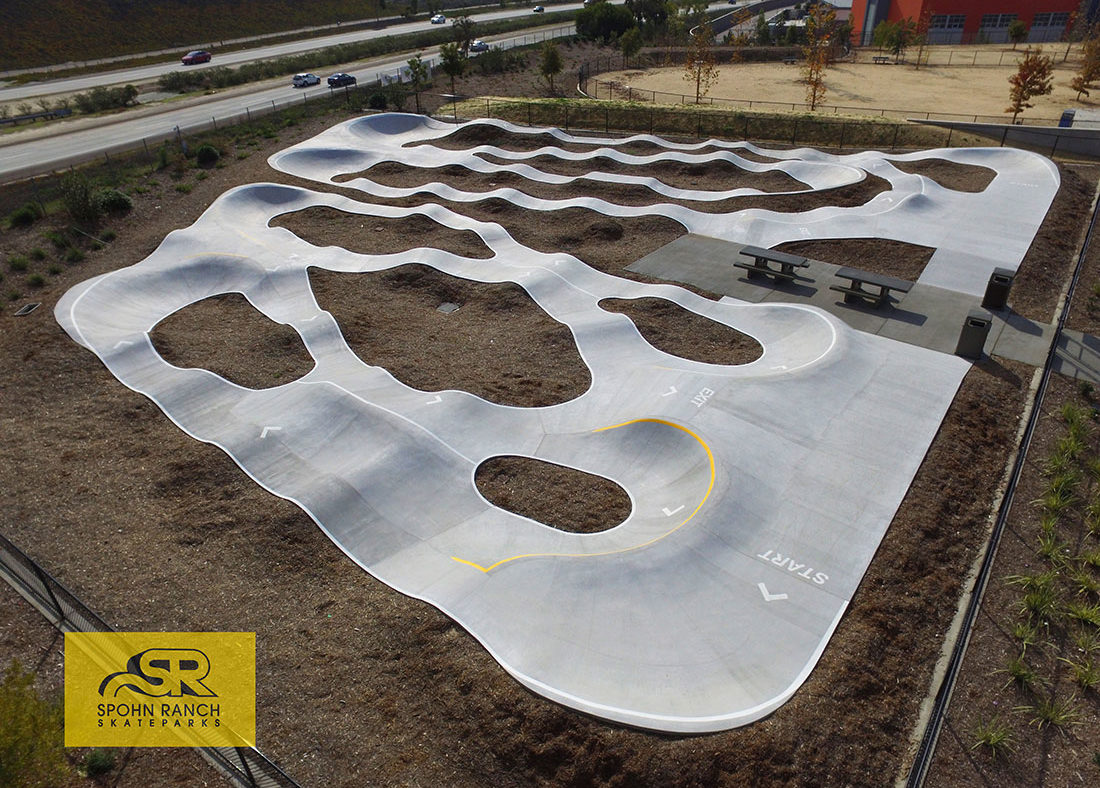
x,y
376,101
31,738
183,188
108,235
54,269
25,216
994,734
98,762
79,198
17,263
207,155
114,202
38,254
74,255
36,280
59,241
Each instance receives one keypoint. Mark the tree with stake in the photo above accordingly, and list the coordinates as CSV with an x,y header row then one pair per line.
x,y
924,24
550,63
699,65
1034,77
418,78
1090,67
819,28
453,63
1017,32
894,37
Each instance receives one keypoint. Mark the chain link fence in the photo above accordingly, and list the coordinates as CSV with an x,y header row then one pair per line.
x,y
247,767
618,90
703,123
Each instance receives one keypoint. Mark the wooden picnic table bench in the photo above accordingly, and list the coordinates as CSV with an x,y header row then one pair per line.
x,y
882,60
768,262
876,297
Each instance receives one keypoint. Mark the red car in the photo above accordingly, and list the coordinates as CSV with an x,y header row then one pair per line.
x,y
198,56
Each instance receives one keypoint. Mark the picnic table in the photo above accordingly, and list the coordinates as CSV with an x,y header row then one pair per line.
x,y
768,262
882,60
859,281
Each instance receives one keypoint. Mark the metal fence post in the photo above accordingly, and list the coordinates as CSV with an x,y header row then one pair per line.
x,y
49,591
245,766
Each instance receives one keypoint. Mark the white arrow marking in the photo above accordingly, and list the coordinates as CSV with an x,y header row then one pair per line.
x,y
123,343
769,597
669,512
267,430
435,400
670,392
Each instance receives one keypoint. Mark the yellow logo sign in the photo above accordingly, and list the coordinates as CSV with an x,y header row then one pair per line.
x,y
160,689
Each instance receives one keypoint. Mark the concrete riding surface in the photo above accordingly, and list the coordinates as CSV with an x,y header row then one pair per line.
x,y
759,492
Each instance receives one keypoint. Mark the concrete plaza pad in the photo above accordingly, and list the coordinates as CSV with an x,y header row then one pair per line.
x,y
759,492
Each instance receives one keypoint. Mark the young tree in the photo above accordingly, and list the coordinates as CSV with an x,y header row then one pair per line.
x,y
630,42
920,33
1017,32
1033,78
418,78
820,25
464,30
699,65
1089,71
894,37
453,62
550,63
763,34
1077,27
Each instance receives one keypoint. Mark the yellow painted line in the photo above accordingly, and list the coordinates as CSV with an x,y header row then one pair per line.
x,y
710,486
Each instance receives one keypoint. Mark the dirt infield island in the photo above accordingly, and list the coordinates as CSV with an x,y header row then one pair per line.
x,y
359,685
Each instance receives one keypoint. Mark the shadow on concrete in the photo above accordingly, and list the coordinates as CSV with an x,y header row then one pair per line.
x,y
891,311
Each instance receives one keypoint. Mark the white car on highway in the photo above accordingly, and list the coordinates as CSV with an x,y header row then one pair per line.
x,y
305,80
439,19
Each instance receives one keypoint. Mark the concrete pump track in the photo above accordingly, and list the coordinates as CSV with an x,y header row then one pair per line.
x,y
759,492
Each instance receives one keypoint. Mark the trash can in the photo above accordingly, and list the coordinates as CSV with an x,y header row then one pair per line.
x,y
975,330
996,292
1066,121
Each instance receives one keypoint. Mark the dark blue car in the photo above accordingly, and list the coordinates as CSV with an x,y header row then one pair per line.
x,y
340,79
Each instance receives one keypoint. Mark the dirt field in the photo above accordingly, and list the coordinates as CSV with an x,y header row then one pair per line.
x,y
964,90
359,685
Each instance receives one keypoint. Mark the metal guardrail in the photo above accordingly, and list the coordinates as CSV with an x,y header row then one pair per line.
x,y
49,114
247,767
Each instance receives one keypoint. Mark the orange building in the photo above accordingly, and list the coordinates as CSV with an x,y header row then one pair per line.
x,y
969,21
